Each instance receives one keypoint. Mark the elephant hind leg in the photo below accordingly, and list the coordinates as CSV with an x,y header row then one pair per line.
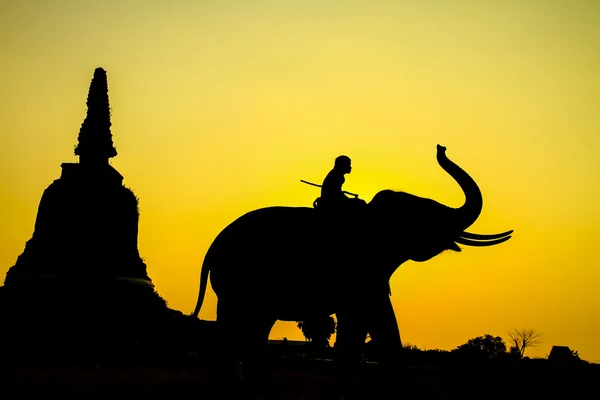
x,y
254,353
228,345
244,336
349,344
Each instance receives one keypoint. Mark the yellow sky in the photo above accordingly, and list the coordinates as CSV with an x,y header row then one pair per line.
x,y
220,107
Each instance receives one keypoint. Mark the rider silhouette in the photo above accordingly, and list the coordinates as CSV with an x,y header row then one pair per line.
x,y
332,195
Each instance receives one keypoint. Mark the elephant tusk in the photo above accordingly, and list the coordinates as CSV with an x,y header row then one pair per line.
x,y
477,236
469,242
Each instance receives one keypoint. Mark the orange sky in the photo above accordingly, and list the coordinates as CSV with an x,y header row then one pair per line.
x,y
222,107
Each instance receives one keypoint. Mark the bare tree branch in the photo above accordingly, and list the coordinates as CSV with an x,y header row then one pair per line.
x,y
524,338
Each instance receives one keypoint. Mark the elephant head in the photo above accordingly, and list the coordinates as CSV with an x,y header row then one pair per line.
x,y
429,227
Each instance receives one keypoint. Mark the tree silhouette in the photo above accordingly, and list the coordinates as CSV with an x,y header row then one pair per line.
x,y
524,338
486,346
95,139
318,330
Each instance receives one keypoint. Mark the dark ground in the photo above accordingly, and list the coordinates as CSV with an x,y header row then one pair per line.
x,y
295,382
126,344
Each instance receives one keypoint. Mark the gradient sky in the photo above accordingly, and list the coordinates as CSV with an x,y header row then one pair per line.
x,y
220,107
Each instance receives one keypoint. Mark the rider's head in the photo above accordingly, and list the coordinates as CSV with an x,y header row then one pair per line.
x,y
343,163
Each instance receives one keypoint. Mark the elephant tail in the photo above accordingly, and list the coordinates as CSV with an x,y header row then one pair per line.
x,y
203,282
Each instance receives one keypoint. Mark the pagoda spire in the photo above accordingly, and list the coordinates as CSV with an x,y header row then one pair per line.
x,y
95,145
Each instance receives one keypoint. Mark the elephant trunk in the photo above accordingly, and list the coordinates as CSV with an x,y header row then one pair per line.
x,y
468,212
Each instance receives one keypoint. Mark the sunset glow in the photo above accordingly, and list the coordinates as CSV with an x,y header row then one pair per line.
x,y
222,107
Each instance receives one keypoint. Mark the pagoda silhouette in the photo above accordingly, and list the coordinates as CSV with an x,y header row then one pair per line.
x,y
87,221
80,285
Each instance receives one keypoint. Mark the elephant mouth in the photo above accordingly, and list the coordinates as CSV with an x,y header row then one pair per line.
x,y
475,239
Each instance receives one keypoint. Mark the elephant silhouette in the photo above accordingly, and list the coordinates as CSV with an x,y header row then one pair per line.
x,y
293,263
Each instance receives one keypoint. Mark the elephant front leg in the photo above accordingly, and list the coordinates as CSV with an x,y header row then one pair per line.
x,y
383,328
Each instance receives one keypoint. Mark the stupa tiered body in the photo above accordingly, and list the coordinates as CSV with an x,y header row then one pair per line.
x,y
80,289
87,223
